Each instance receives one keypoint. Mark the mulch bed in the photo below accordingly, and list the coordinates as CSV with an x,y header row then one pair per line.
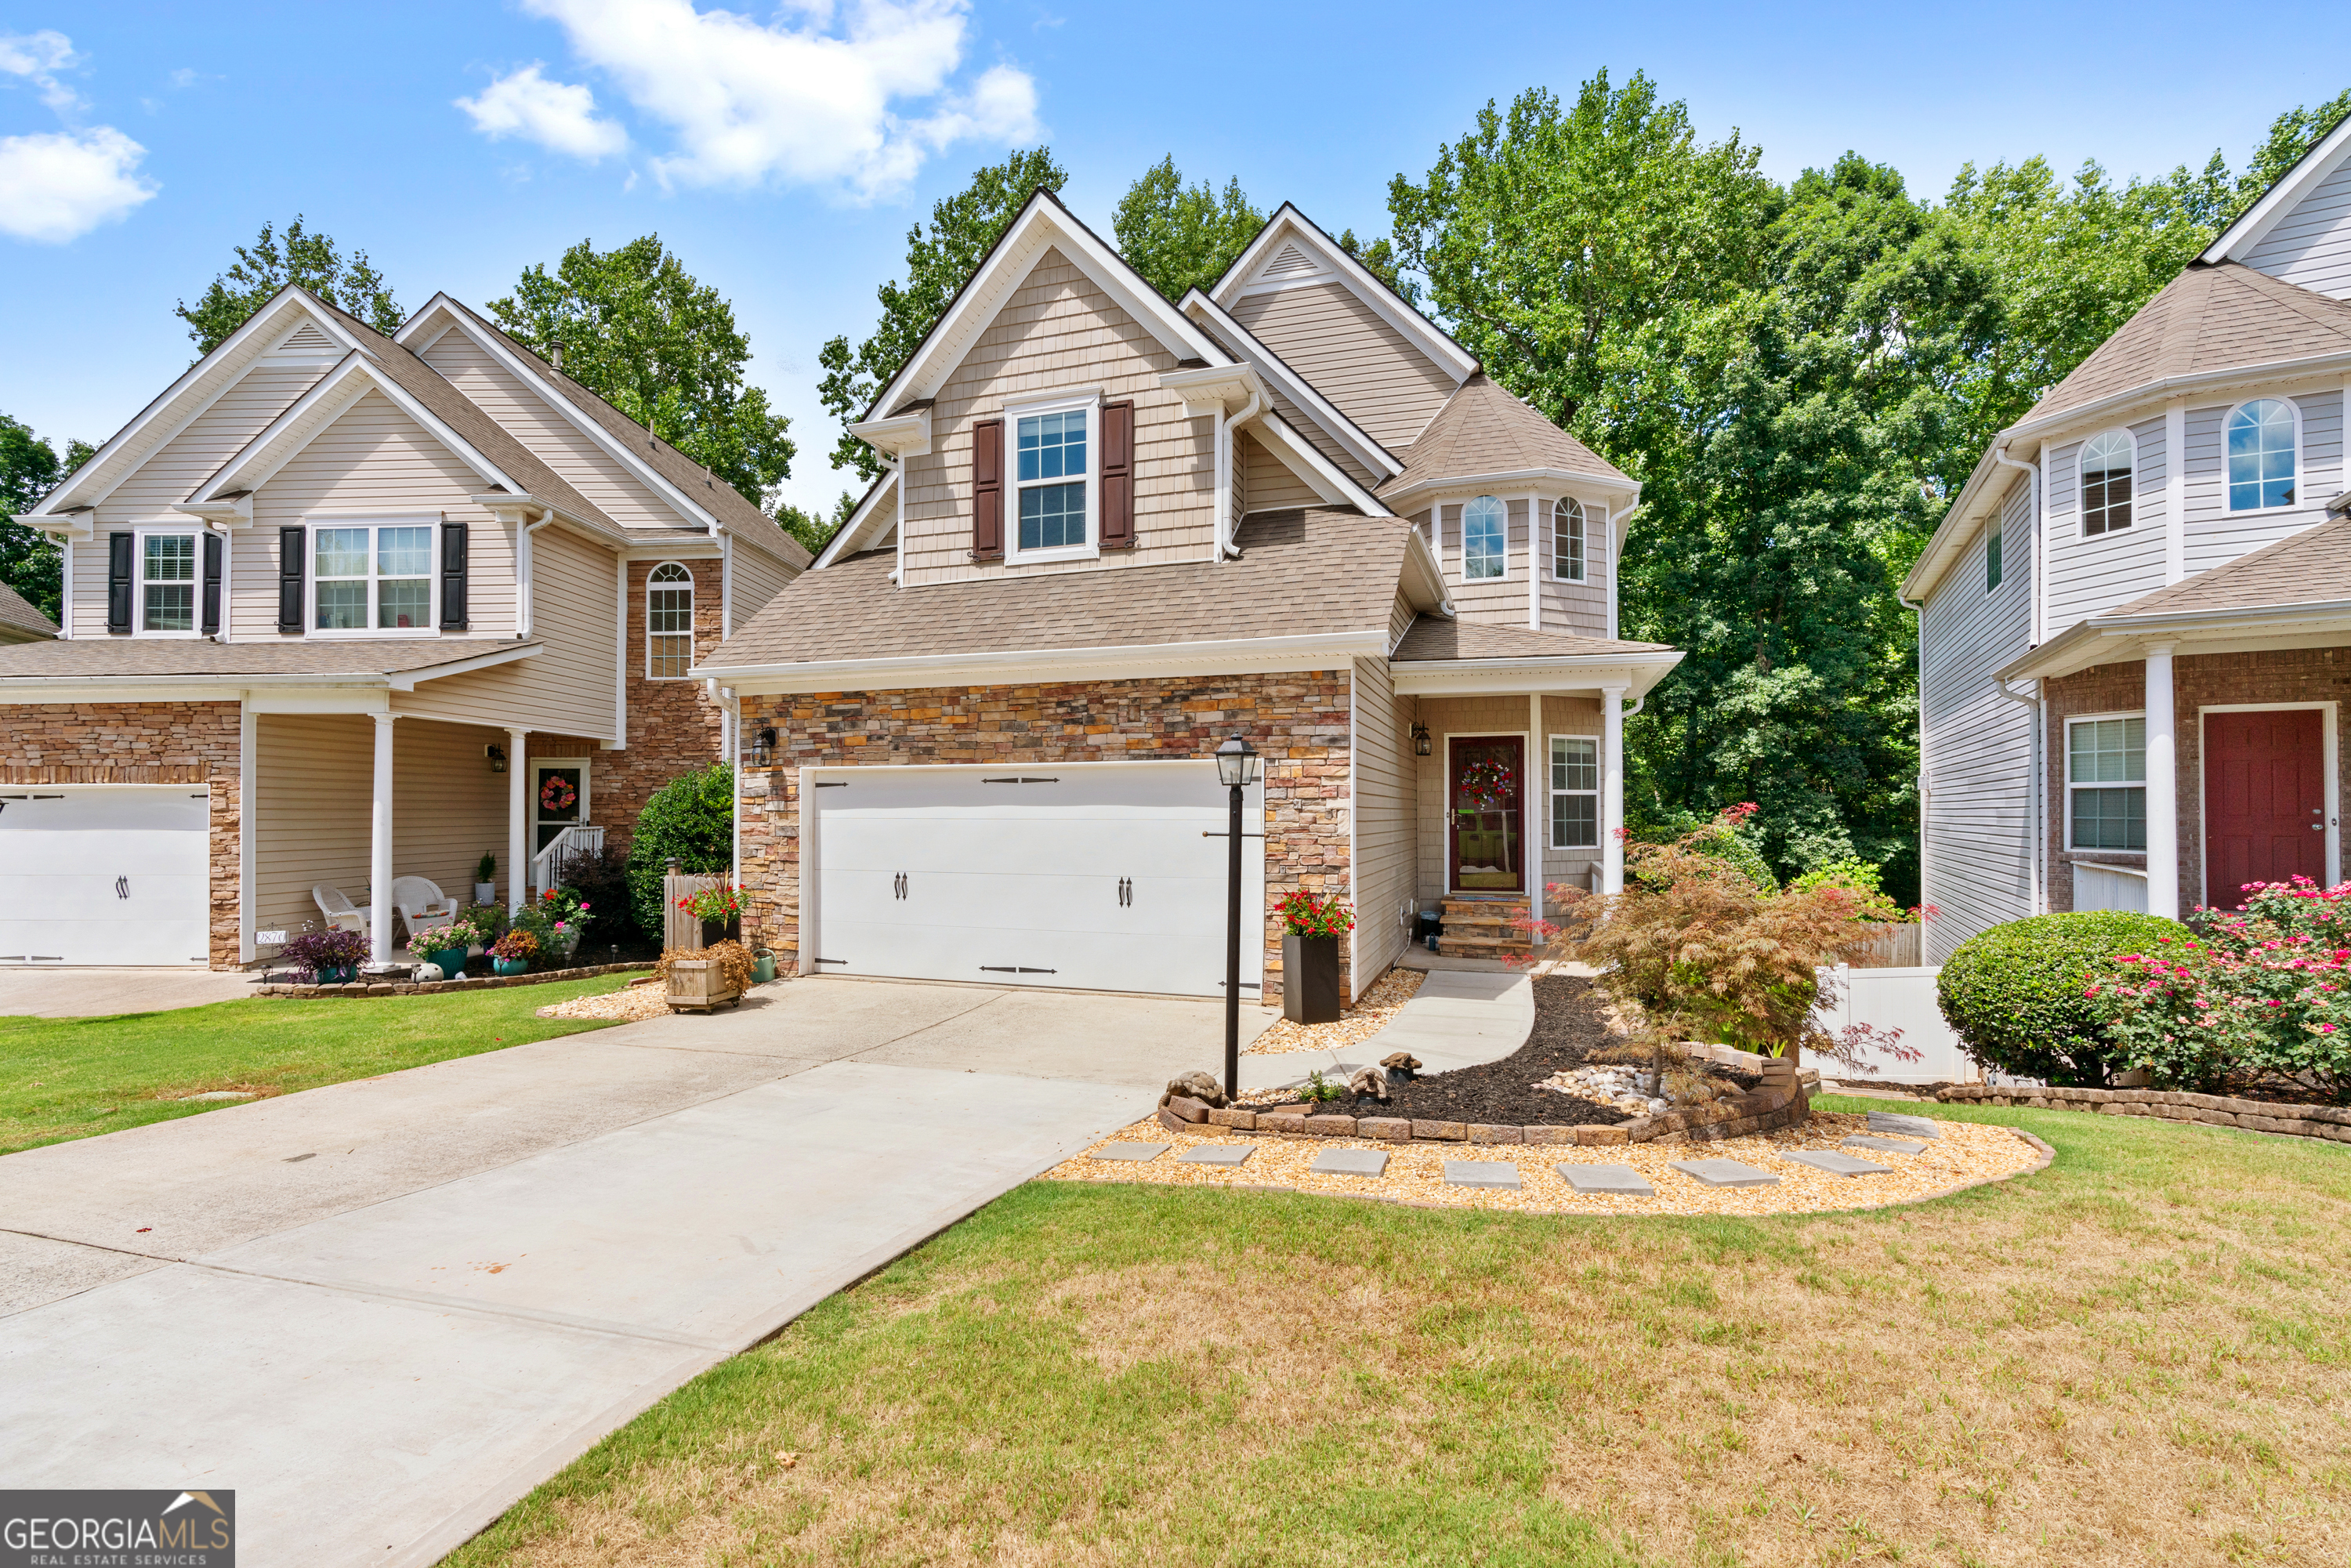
x,y
1569,1026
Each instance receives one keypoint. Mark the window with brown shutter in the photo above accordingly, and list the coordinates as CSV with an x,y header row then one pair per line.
x,y
987,489
1118,475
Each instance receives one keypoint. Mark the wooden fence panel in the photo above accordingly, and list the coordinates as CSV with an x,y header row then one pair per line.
x,y
1890,945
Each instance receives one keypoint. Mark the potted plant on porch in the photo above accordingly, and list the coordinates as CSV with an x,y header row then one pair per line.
x,y
485,880
1312,927
512,953
328,957
448,946
720,910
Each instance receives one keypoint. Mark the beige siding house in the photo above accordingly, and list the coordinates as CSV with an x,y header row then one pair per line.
x,y
341,608
1115,531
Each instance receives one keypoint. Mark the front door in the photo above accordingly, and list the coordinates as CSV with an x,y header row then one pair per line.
x,y
2264,801
1486,812
558,794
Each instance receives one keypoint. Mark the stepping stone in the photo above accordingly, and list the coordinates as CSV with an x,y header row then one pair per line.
x,y
1216,1154
1622,1179
1725,1173
1350,1161
1481,1173
1835,1163
1885,1145
1132,1151
1908,1126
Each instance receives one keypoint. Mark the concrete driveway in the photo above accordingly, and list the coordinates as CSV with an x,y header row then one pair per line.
x,y
88,993
383,1311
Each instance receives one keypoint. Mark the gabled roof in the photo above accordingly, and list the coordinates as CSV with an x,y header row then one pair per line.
x,y
16,612
1485,432
2313,566
1349,436
2311,171
2209,321
1324,259
400,661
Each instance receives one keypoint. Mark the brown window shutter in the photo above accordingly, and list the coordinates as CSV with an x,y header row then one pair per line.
x,y
1118,475
987,489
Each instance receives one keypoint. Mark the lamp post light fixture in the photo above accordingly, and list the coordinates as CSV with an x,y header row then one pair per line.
x,y
1236,770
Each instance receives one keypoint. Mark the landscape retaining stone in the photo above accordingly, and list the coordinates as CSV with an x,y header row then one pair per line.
x,y
1189,1109
1331,1126
433,988
2332,1123
1484,1132
1233,1116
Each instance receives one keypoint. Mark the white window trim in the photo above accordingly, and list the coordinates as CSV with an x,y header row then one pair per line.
x,y
1558,553
372,521
141,533
1995,534
2071,720
2081,507
2329,751
692,588
2301,459
1503,502
1014,412
1551,820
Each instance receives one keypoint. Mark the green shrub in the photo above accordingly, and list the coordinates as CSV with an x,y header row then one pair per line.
x,y
1861,876
1714,841
2015,995
690,817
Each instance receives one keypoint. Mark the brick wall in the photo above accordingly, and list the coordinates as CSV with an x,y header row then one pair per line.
x,y
142,743
2199,681
1297,720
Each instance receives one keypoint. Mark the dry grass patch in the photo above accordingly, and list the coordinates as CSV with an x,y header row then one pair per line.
x,y
2142,1355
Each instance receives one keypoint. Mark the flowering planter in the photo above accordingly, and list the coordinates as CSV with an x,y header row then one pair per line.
x,y
1309,979
450,960
339,974
511,966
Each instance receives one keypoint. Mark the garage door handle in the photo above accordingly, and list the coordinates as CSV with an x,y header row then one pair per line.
x,y
1126,892
122,887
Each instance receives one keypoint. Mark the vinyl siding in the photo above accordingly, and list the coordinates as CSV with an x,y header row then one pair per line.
x,y
1297,419
1350,355
1058,331
2093,573
758,577
1383,805
1267,484
2310,246
1578,607
569,686
1400,618
2215,535
1976,745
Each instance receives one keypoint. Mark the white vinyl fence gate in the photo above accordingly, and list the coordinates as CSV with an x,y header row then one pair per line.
x,y
1901,998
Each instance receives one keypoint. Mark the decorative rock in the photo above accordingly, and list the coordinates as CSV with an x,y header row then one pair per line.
x,y
1481,1173
1392,1129
1606,1178
1216,1154
1596,1137
1908,1126
1835,1163
1371,1082
1486,1133
1350,1161
1136,1151
1401,1065
1331,1126
1725,1173
1455,1131
1190,1110
1233,1116
1200,1086
1886,1146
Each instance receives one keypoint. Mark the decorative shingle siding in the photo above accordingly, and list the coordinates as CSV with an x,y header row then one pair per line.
x,y
1351,356
1299,721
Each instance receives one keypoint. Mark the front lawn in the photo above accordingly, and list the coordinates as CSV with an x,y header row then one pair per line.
x,y
2141,1356
70,1078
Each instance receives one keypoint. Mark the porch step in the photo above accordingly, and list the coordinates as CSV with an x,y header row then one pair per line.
x,y
1485,927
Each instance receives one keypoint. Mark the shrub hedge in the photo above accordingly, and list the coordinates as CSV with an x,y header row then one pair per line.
x,y
690,817
2014,993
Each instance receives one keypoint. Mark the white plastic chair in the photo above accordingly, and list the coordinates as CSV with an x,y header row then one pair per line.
x,y
341,914
421,907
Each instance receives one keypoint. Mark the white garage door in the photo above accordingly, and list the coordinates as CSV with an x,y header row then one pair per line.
x,y
1097,876
105,876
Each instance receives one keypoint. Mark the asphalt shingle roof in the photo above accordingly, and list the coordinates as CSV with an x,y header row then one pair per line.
x,y
1430,639
15,611
116,656
2313,566
1482,429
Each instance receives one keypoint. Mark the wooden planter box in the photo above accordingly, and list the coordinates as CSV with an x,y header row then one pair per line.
x,y
699,985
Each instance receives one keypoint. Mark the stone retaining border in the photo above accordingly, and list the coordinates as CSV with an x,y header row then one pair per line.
x,y
2332,1123
360,989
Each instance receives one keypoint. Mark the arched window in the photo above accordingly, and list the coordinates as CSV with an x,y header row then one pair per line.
x,y
1485,540
1567,561
2106,462
2260,456
669,623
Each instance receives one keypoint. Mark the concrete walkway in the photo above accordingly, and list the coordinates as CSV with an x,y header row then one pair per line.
x,y
383,1311
1457,1019
89,993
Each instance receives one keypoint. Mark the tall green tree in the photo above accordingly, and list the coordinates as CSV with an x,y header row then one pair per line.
x,y
268,264
30,560
633,327
938,259
1179,236
815,529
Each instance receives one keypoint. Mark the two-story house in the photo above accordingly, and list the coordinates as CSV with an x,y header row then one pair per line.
x,y
1116,530
2136,638
341,608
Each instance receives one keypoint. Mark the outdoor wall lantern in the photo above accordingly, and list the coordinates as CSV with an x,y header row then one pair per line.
x,y
763,746
1421,745
497,755
1237,768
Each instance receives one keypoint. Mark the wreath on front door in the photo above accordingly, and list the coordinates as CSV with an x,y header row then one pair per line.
x,y
556,794
1489,782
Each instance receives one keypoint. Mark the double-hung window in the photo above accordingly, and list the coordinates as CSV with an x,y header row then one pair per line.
x,y
372,577
1485,540
669,623
2105,782
167,582
1567,554
1574,792
1052,478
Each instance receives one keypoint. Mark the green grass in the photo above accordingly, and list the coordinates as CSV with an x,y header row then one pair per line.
x,y
2141,1356
72,1078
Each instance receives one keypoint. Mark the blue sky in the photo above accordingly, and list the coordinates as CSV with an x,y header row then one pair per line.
x,y
783,152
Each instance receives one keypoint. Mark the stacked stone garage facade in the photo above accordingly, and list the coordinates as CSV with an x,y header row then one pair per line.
x,y
1299,720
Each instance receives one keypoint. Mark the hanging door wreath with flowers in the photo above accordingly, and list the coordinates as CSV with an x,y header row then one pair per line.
x,y
557,793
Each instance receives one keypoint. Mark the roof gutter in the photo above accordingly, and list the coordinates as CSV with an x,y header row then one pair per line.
x,y
1020,667
1400,500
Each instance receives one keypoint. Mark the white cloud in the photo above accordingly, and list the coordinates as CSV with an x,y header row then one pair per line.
x,y
37,58
862,103
61,184
559,116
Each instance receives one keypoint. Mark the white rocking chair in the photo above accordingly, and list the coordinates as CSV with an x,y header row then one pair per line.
x,y
422,908
341,914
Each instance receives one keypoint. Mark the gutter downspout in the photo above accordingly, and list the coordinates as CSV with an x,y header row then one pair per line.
x,y
2040,543
2040,796
525,607
897,466
1227,524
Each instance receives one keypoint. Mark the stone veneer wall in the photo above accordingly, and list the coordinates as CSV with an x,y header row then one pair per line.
x,y
2199,681
142,743
1299,720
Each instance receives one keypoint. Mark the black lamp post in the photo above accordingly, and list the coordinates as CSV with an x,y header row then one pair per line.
x,y
1236,766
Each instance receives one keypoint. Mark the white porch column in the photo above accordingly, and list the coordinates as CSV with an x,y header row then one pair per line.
x,y
2162,787
379,873
1611,789
518,817
1538,803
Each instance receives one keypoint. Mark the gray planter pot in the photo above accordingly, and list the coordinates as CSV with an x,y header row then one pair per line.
x,y
1309,979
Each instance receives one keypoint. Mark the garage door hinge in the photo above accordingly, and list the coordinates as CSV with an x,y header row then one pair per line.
x,y
1246,984
843,962
832,783
1228,835
1020,780
1014,969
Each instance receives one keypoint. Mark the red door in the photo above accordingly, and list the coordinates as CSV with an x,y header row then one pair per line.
x,y
1485,813
2264,802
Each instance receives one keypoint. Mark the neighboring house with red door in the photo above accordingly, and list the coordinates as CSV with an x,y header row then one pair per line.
x,y
342,610
2136,643
1115,530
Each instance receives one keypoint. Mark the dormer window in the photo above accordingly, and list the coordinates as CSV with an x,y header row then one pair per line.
x,y
167,582
1052,470
1485,540
1567,540
2106,462
2260,436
